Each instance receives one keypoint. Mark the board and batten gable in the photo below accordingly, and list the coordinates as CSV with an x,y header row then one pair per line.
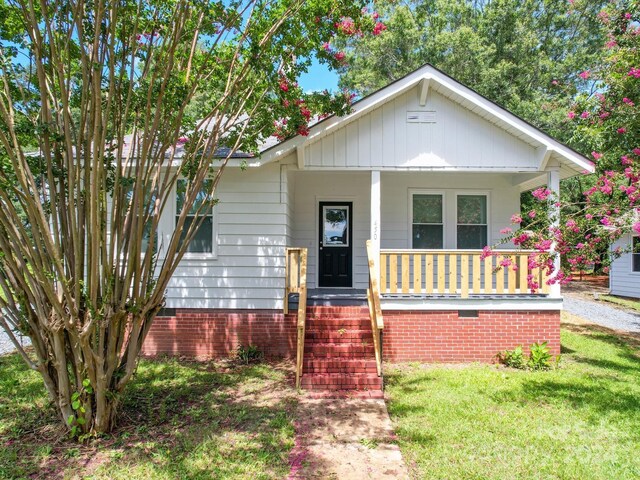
x,y
623,280
252,223
402,134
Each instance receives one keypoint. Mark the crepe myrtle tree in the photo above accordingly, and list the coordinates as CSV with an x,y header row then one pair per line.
x,y
606,119
121,99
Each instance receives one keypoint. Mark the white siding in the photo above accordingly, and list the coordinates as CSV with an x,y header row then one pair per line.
x,y
623,280
248,271
314,187
384,139
503,201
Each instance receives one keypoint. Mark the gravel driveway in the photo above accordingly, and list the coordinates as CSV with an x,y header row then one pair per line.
x,y
602,313
5,344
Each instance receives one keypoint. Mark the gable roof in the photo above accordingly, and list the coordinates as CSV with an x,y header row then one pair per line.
x,y
428,77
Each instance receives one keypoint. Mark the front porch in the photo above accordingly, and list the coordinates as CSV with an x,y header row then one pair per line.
x,y
437,306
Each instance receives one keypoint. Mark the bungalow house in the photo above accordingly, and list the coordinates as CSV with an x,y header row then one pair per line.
x,y
362,241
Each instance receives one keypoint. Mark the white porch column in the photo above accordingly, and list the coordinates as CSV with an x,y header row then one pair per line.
x,y
375,210
553,184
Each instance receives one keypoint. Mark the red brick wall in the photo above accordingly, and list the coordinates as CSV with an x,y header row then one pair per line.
x,y
217,333
408,336
445,337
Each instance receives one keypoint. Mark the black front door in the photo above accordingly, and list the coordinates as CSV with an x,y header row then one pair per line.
x,y
335,246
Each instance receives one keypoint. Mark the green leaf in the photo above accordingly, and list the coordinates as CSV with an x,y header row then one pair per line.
x,y
81,421
89,390
75,396
70,420
86,382
75,405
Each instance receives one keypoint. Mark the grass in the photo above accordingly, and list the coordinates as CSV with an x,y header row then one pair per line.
x,y
581,421
179,420
623,302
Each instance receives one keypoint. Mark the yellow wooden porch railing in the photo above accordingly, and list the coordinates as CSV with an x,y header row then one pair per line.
x,y
375,311
296,282
457,272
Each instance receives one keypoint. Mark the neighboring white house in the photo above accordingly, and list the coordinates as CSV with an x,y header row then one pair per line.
x,y
624,276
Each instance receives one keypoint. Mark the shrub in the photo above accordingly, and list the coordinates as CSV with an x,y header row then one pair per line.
x,y
540,358
513,358
249,354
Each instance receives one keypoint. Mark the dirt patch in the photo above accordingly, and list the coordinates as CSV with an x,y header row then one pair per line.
x,y
348,439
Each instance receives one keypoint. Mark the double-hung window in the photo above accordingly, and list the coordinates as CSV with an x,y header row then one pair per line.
x,y
427,220
471,221
635,255
202,242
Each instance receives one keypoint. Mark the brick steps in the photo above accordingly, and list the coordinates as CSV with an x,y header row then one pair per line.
x,y
339,357
338,336
342,381
331,350
339,365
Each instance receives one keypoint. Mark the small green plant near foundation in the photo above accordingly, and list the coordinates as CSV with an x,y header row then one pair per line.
x,y
540,357
249,354
513,358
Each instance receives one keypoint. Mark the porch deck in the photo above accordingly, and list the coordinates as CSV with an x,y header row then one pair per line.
x,y
333,297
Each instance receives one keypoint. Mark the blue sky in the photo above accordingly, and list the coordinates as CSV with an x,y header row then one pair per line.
x,y
318,77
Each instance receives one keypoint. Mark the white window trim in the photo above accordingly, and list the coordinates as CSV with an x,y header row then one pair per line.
x,y
632,271
485,193
213,255
424,191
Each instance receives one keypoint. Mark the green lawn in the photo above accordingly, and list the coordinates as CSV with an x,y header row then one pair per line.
x,y
180,420
623,302
581,421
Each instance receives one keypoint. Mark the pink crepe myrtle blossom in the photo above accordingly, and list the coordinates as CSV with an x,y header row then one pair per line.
x,y
636,227
584,75
596,155
506,231
532,214
622,130
520,239
603,115
183,140
506,262
326,46
634,72
340,56
346,26
584,114
571,115
378,28
486,252
541,193
636,151
516,219
628,101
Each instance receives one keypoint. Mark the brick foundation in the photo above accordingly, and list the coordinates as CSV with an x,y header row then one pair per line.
x,y
443,336
438,336
217,333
